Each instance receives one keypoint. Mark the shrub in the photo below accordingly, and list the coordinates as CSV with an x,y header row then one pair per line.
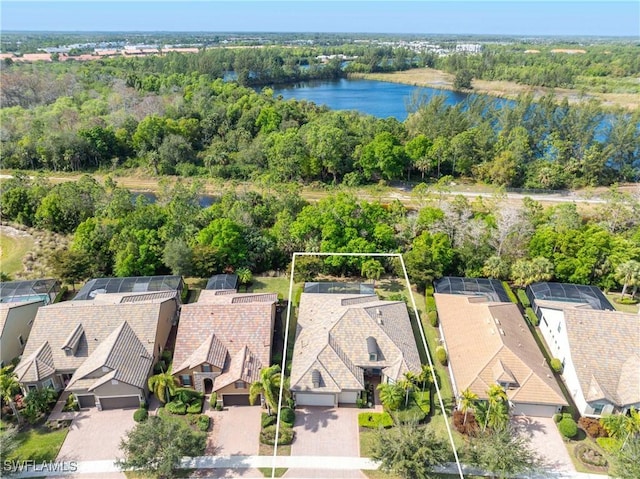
x,y
267,420
441,355
592,427
423,400
430,302
433,318
71,404
291,403
268,435
361,403
509,291
160,367
522,296
175,407
609,444
213,400
166,356
219,407
375,420
203,422
413,415
557,417
188,394
140,415
556,365
287,415
533,319
568,427
195,407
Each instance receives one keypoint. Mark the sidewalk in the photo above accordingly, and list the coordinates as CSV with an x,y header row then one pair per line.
x,y
251,462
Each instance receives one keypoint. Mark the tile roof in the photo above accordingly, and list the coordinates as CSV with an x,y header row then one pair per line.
x,y
37,366
488,342
121,353
605,350
237,331
56,323
332,338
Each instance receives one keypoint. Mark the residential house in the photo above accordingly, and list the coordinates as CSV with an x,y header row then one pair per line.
x,y
223,342
599,348
489,343
103,350
15,325
134,284
345,342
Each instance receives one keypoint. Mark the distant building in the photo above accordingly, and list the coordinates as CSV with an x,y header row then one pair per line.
x,y
468,48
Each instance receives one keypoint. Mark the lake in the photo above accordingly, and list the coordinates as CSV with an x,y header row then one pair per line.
x,y
371,97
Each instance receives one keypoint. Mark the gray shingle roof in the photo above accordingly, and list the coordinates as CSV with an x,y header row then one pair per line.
x,y
333,337
55,324
605,349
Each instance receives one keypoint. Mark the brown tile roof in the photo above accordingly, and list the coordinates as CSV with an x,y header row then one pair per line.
x,y
489,341
123,354
237,331
332,335
37,366
55,324
605,350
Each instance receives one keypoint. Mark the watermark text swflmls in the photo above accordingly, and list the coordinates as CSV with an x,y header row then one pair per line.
x,y
31,465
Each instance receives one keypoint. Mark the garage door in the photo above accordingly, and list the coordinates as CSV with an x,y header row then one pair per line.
x,y
348,397
535,410
315,399
236,400
121,402
86,401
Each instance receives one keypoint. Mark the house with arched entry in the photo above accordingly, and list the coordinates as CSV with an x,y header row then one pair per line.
x,y
223,342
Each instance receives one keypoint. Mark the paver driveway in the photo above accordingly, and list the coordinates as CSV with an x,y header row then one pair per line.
x,y
326,432
546,441
95,435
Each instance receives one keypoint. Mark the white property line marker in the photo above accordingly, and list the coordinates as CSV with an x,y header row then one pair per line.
x,y
424,342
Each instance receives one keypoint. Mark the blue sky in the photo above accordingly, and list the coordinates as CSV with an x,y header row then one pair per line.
x,y
511,17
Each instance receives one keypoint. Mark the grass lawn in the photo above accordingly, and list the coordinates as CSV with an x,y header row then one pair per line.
x,y
625,308
265,284
38,444
279,471
12,250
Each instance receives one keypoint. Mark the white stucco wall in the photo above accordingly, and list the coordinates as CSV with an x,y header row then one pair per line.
x,y
18,323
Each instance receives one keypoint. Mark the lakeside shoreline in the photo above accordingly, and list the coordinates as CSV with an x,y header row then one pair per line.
x,y
437,79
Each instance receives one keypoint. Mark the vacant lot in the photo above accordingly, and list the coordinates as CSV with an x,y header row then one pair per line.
x,y
14,244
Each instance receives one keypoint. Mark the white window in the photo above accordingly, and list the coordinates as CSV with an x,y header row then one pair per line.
x,y
240,385
206,368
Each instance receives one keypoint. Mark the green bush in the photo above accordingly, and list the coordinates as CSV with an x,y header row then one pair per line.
x,y
267,420
423,400
175,407
556,365
522,296
166,356
268,435
188,394
429,300
441,355
140,415
533,319
361,403
609,444
413,415
213,400
195,407
203,422
433,318
287,415
160,367
375,420
557,418
509,291
568,427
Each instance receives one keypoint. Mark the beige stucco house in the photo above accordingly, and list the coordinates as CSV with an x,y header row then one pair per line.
x,y
102,350
223,342
16,320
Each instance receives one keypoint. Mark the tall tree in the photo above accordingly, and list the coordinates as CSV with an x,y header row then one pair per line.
x,y
163,385
628,274
268,386
391,396
409,451
372,269
9,387
156,446
467,401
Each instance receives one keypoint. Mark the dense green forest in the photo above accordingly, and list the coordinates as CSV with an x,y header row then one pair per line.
x,y
173,114
116,233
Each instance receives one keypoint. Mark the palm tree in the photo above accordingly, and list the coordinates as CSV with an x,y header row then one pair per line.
x,y
163,385
9,386
245,277
467,401
268,386
622,426
628,274
497,412
391,396
426,376
372,269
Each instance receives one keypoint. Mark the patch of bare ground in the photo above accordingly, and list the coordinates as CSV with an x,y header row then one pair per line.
x,y
431,78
